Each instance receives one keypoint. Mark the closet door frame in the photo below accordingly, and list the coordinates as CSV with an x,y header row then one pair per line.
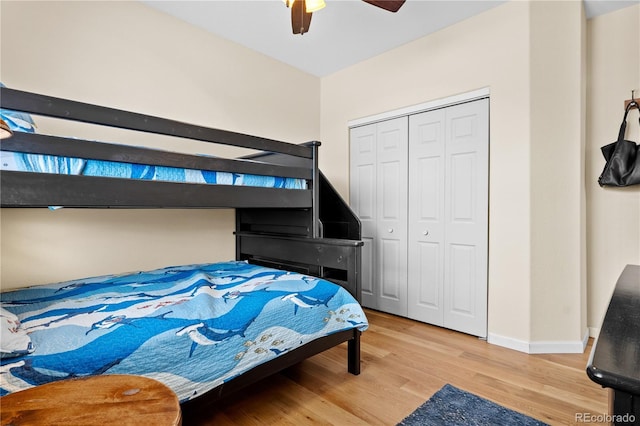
x,y
422,107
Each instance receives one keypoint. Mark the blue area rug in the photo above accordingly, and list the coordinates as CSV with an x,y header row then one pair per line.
x,y
451,406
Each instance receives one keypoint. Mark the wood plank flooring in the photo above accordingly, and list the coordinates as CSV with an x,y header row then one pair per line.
x,y
404,362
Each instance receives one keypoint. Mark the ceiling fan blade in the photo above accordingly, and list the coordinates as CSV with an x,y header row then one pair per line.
x,y
300,19
390,5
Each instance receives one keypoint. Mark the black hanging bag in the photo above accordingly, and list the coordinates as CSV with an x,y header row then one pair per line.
x,y
623,158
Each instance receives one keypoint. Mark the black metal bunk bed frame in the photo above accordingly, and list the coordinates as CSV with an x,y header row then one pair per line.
x,y
312,231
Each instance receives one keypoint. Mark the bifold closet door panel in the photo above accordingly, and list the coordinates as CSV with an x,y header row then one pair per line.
x,y
362,196
426,216
391,242
378,195
466,217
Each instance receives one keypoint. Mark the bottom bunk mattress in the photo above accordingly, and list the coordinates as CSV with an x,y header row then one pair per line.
x,y
191,327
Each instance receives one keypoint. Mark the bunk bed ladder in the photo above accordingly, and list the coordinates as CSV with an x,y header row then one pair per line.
x,y
322,241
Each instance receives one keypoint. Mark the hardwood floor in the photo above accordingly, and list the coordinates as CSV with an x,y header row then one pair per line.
x,y
404,362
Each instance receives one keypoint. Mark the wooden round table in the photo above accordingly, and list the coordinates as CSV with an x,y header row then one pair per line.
x,y
99,400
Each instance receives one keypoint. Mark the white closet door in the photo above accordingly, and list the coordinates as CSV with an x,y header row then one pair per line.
x,y
420,187
391,266
426,216
362,195
466,217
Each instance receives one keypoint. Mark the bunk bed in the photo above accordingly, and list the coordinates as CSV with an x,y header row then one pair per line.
x,y
300,226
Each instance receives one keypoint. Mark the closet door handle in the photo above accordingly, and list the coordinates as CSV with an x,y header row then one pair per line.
x,y
390,230
425,233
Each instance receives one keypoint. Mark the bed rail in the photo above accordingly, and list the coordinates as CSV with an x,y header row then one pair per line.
x,y
50,106
35,143
24,189
29,189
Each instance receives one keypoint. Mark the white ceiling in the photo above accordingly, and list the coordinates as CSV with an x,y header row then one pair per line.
x,y
345,32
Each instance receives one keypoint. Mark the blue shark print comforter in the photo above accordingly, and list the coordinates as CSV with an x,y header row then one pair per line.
x,y
191,327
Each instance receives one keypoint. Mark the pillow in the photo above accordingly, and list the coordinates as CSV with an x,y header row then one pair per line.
x,y
14,341
17,121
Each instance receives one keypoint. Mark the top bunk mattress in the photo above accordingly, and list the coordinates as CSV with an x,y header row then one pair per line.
x,y
41,163
191,327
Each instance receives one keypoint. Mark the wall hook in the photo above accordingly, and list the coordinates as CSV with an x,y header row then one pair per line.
x,y
631,101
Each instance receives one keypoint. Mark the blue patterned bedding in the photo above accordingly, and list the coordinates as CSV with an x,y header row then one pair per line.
x,y
18,161
191,327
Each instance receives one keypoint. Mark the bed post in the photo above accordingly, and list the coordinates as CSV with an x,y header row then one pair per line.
x,y
353,354
315,214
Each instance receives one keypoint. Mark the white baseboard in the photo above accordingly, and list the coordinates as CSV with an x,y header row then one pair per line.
x,y
508,342
541,347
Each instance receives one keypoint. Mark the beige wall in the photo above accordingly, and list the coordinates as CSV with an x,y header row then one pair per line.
x,y
613,232
558,280
127,55
531,57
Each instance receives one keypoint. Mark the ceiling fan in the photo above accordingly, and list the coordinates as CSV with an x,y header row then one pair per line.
x,y
301,11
